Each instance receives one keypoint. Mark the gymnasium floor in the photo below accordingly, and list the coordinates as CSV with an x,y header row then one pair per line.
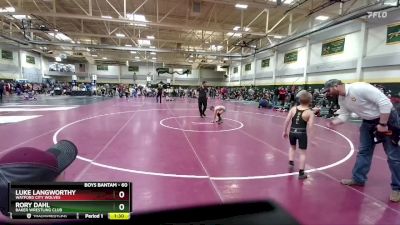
x,y
177,159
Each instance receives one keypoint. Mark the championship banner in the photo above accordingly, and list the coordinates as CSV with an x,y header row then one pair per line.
x,y
290,57
332,47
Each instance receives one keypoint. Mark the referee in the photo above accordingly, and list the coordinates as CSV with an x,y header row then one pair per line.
x,y
159,92
202,99
374,108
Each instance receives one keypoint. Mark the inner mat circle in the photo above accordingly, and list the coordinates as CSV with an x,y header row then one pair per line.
x,y
198,124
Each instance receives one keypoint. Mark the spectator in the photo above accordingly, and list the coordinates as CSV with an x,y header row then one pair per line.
x,y
264,103
282,95
1,89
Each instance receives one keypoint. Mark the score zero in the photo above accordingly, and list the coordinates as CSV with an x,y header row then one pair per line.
x,y
121,194
377,14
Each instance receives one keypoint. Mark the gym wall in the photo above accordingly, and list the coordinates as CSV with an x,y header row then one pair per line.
x,y
365,57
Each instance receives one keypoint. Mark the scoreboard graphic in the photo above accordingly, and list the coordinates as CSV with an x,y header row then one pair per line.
x,y
70,200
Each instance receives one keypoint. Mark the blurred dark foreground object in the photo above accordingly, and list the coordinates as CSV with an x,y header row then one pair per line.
x,y
248,213
245,213
27,164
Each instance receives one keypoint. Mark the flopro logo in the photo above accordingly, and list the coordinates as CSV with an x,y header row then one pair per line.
x,y
378,15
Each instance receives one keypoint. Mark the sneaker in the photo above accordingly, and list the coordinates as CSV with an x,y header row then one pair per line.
x,y
204,115
201,116
303,176
350,182
291,168
395,196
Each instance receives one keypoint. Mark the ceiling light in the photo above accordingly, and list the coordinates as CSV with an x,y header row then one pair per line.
x,y
241,6
216,48
87,49
7,9
140,25
321,17
277,36
120,35
391,3
94,55
78,42
287,2
233,34
137,57
139,18
136,17
144,42
19,17
133,52
63,37
237,28
10,9
73,42
150,37
190,61
58,59
152,47
60,36
55,30
106,17
104,57
191,56
152,53
154,58
128,45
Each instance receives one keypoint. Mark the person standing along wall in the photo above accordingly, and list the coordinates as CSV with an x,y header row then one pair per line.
x,y
1,89
276,96
282,95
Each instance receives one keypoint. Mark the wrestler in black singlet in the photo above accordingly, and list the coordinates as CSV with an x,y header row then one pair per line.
x,y
298,130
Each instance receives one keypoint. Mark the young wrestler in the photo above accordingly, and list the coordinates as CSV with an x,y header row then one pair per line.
x,y
218,111
301,117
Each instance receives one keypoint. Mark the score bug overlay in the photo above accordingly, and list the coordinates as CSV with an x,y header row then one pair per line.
x,y
70,200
